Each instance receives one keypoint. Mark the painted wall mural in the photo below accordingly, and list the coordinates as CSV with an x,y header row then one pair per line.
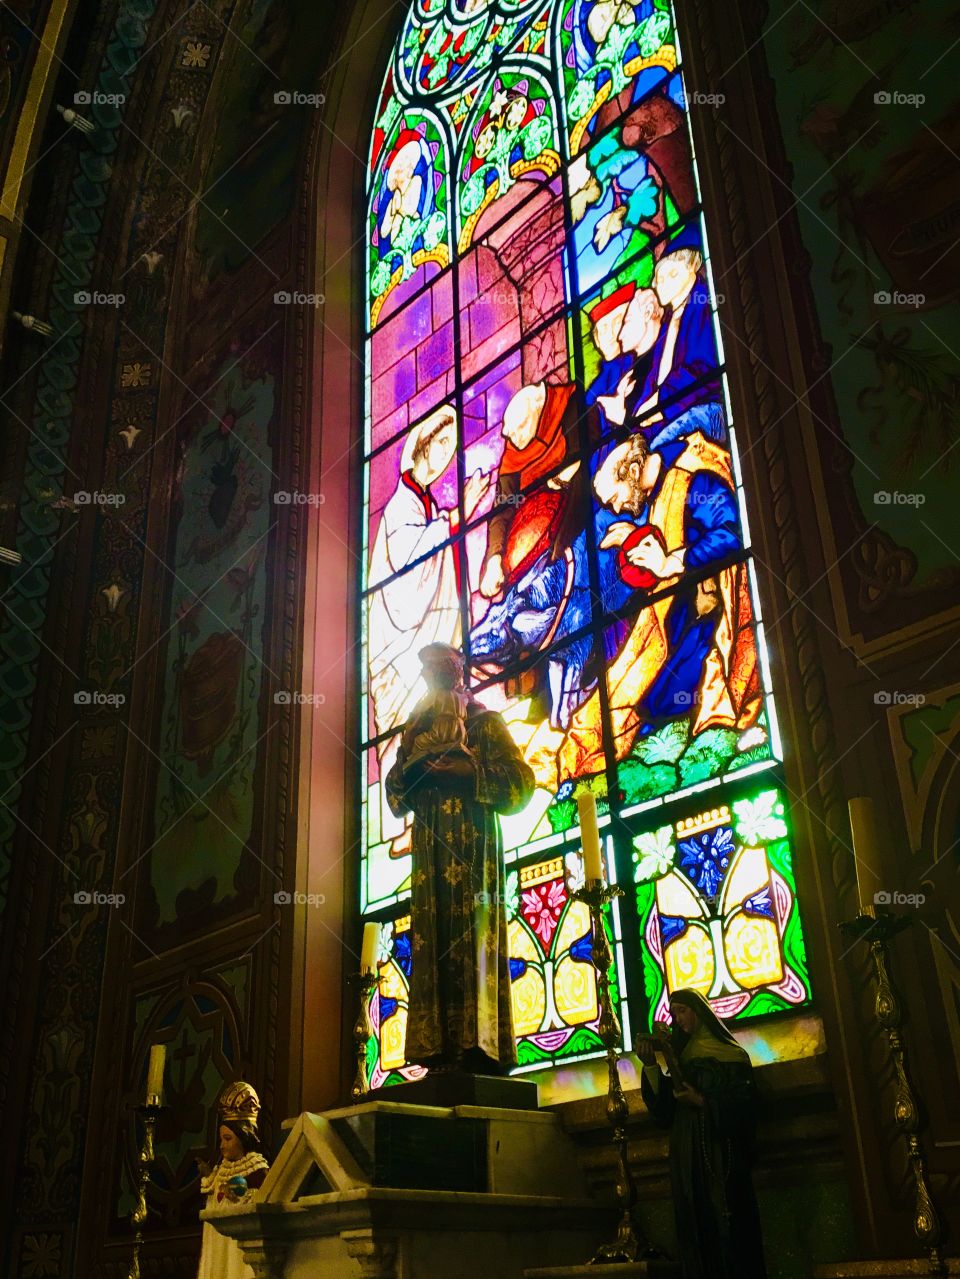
x,y
17,24
202,1029
211,494
266,100
211,717
869,107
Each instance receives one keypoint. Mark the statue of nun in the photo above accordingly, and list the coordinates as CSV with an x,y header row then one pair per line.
x,y
709,1103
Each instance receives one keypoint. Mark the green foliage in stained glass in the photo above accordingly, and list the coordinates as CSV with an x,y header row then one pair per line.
x,y
675,757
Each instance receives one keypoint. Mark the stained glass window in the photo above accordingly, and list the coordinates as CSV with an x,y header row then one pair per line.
x,y
551,481
717,905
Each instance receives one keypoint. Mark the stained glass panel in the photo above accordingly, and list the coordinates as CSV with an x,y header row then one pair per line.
x,y
409,226
612,54
387,1009
551,481
631,186
554,983
385,875
718,912
510,145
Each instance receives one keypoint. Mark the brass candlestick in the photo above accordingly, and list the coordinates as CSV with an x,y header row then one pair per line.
x,y
362,1030
878,933
629,1242
149,1112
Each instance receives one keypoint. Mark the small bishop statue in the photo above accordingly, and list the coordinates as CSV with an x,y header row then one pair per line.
x,y
457,768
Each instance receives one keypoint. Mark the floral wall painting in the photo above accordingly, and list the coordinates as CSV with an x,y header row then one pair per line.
x,y
855,89
256,138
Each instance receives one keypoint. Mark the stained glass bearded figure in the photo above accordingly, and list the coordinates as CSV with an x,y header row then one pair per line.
x,y
709,1103
407,197
457,768
422,605
692,653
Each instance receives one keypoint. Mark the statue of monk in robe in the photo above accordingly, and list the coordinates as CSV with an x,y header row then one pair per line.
x,y
457,768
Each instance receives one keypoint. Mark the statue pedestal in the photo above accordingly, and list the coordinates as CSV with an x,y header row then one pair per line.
x,y
458,1088
387,1190
882,1269
651,1269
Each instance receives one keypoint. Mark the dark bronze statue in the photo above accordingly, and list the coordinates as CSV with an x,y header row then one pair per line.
x,y
457,768
708,1101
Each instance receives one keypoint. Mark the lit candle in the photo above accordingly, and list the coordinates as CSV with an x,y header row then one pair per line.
x,y
368,951
865,852
590,837
158,1056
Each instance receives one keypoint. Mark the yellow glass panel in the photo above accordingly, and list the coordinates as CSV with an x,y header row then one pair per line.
x,y
393,1031
521,944
528,994
752,947
393,984
675,896
393,1039
574,925
748,875
529,998
575,991
689,961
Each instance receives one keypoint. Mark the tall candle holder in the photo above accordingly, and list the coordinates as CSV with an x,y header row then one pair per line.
x,y
364,982
629,1242
877,933
149,1112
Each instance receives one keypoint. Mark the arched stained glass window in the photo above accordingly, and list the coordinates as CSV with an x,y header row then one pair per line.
x,y
551,481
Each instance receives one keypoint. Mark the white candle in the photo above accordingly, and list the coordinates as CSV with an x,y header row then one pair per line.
x,y
590,837
158,1056
368,951
865,852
